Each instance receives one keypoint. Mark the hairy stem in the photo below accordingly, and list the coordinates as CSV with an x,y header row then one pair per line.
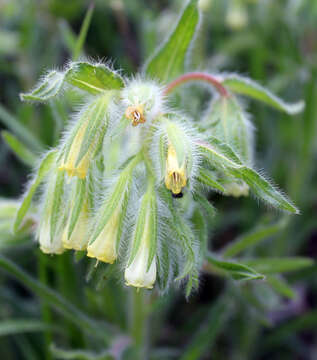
x,y
138,322
197,76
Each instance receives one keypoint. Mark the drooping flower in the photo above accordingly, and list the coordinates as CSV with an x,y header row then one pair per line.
x,y
85,137
104,247
69,162
141,268
78,239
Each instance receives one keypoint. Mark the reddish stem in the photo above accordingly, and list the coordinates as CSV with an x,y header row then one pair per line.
x,y
200,76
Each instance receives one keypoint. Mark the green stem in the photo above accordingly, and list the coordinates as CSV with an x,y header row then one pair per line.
x,y
46,312
138,323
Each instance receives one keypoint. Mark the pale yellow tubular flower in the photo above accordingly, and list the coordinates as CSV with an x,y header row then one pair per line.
x,y
69,164
104,248
175,175
78,239
48,245
136,274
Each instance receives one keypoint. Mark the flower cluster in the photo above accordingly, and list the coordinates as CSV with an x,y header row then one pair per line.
x,y
127,182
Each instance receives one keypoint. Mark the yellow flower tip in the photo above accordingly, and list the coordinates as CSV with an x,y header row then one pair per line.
x,y
175,177
136,114
139,285
110,259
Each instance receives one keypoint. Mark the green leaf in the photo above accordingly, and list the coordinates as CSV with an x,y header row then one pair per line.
x,y
169,60
220,153
18,326
206,177
83,32
44,168
252,238
19,149
79,354
47,88
224,156
235,270
55,300
93,78
229,123
21,131
280,286
279,265
264,190
244,86
205,337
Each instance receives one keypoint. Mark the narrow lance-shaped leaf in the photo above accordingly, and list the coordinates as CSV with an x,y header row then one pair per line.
x,y
19,149
55,300
223,155
235,270
83,33
280,286
207,333
252,238
279,265
79,354
207,178
169,60
264,189
20,130
44,168
244,86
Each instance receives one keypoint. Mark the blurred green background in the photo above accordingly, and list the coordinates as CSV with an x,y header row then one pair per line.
x,y
273,42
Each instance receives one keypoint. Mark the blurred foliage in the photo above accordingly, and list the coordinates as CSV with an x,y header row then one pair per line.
x,y
84,316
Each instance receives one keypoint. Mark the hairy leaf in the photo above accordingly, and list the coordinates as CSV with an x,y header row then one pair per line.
x,y
169,60
244,86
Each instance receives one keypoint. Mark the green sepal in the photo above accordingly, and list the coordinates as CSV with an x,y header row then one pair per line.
x,y
97,119
79,195
57,203
116,196
42,171
177,138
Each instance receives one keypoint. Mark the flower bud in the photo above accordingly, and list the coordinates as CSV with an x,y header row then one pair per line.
x,y
104,247
78,238
137,274
141,269
49,229
107,229
85,137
